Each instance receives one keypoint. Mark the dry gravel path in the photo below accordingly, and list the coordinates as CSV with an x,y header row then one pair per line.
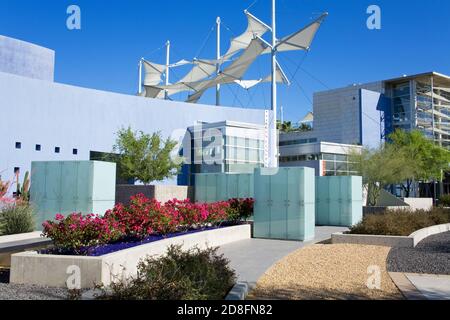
x,y
327,271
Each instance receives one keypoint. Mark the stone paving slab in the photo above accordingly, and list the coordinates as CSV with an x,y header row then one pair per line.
x,y
432,287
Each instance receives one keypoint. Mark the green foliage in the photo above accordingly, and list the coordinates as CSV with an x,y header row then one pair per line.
x,y
400,222
145,157
444,200
179,275
408,157
16,218
422,159
287,127
23,190
378,167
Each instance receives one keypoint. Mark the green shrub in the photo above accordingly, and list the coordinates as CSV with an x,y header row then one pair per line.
x,y
179,275
444,200
16,218
400,222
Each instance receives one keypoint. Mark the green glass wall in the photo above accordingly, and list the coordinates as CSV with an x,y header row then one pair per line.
x,y
338,200
212,187
71,186
284,203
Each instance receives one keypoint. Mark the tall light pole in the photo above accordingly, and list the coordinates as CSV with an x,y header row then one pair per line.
x,y
140,76
218,22
167,67
273,146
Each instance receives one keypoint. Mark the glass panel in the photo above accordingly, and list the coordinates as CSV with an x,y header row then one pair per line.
x,y
339,200
284,199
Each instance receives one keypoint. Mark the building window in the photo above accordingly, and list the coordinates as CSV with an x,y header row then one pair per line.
x,y
18,145
75,151
57,149
38,147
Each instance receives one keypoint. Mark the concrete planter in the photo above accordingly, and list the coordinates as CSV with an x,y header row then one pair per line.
x,y
391,241
161,193
55,271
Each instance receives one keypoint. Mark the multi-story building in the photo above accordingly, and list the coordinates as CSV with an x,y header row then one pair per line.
x,y
227,146
365,114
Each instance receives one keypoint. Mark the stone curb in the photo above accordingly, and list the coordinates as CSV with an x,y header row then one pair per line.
x,y
238,292
408,290
391,241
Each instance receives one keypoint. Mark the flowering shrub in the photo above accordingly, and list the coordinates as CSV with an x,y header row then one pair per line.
x,y
142,218
242,209
74,232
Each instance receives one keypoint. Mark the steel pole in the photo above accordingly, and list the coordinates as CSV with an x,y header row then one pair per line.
x,y
218,21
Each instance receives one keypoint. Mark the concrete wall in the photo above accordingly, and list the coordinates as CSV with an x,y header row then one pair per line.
x,y
51,270
419,203
56,115
26,59
160,193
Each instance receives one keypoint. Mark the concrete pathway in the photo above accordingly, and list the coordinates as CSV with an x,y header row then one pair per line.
x,y
251,258
432,287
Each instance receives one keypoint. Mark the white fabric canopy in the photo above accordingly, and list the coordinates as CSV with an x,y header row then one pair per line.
x,y
203,74
153,73
233,72
301,40
153,92
255,28
248,84
202,69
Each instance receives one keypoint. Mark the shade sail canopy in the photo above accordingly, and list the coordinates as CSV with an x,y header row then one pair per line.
x,y
202,69
255,28
248,84
153,73
249,45
235,71
302,39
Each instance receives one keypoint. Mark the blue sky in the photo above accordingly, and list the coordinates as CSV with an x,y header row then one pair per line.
x,y
103,55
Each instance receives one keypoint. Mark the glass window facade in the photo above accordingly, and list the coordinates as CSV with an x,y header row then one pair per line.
x,y
297,141
233,154
334,164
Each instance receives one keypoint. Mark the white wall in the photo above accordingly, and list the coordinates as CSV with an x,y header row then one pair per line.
x,y
40,112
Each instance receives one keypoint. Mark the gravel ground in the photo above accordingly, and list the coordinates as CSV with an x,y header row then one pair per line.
x,y
23,292
325,271
431,256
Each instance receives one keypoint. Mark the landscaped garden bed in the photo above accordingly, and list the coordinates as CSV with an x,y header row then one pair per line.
x,y
143,221
400,222
397,228
111,246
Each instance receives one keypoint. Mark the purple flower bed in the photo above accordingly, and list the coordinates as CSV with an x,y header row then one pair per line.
x,y
96,251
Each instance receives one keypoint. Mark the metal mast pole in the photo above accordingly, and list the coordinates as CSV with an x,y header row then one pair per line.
x,y
140,76
273,134
167,66
218,61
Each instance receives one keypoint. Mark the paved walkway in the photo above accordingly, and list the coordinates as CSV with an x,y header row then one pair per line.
x,y
432,287
251,258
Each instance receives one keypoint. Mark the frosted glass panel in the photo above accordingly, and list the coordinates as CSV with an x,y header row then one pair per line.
x,y
71,186
212,187
284,203
338,200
